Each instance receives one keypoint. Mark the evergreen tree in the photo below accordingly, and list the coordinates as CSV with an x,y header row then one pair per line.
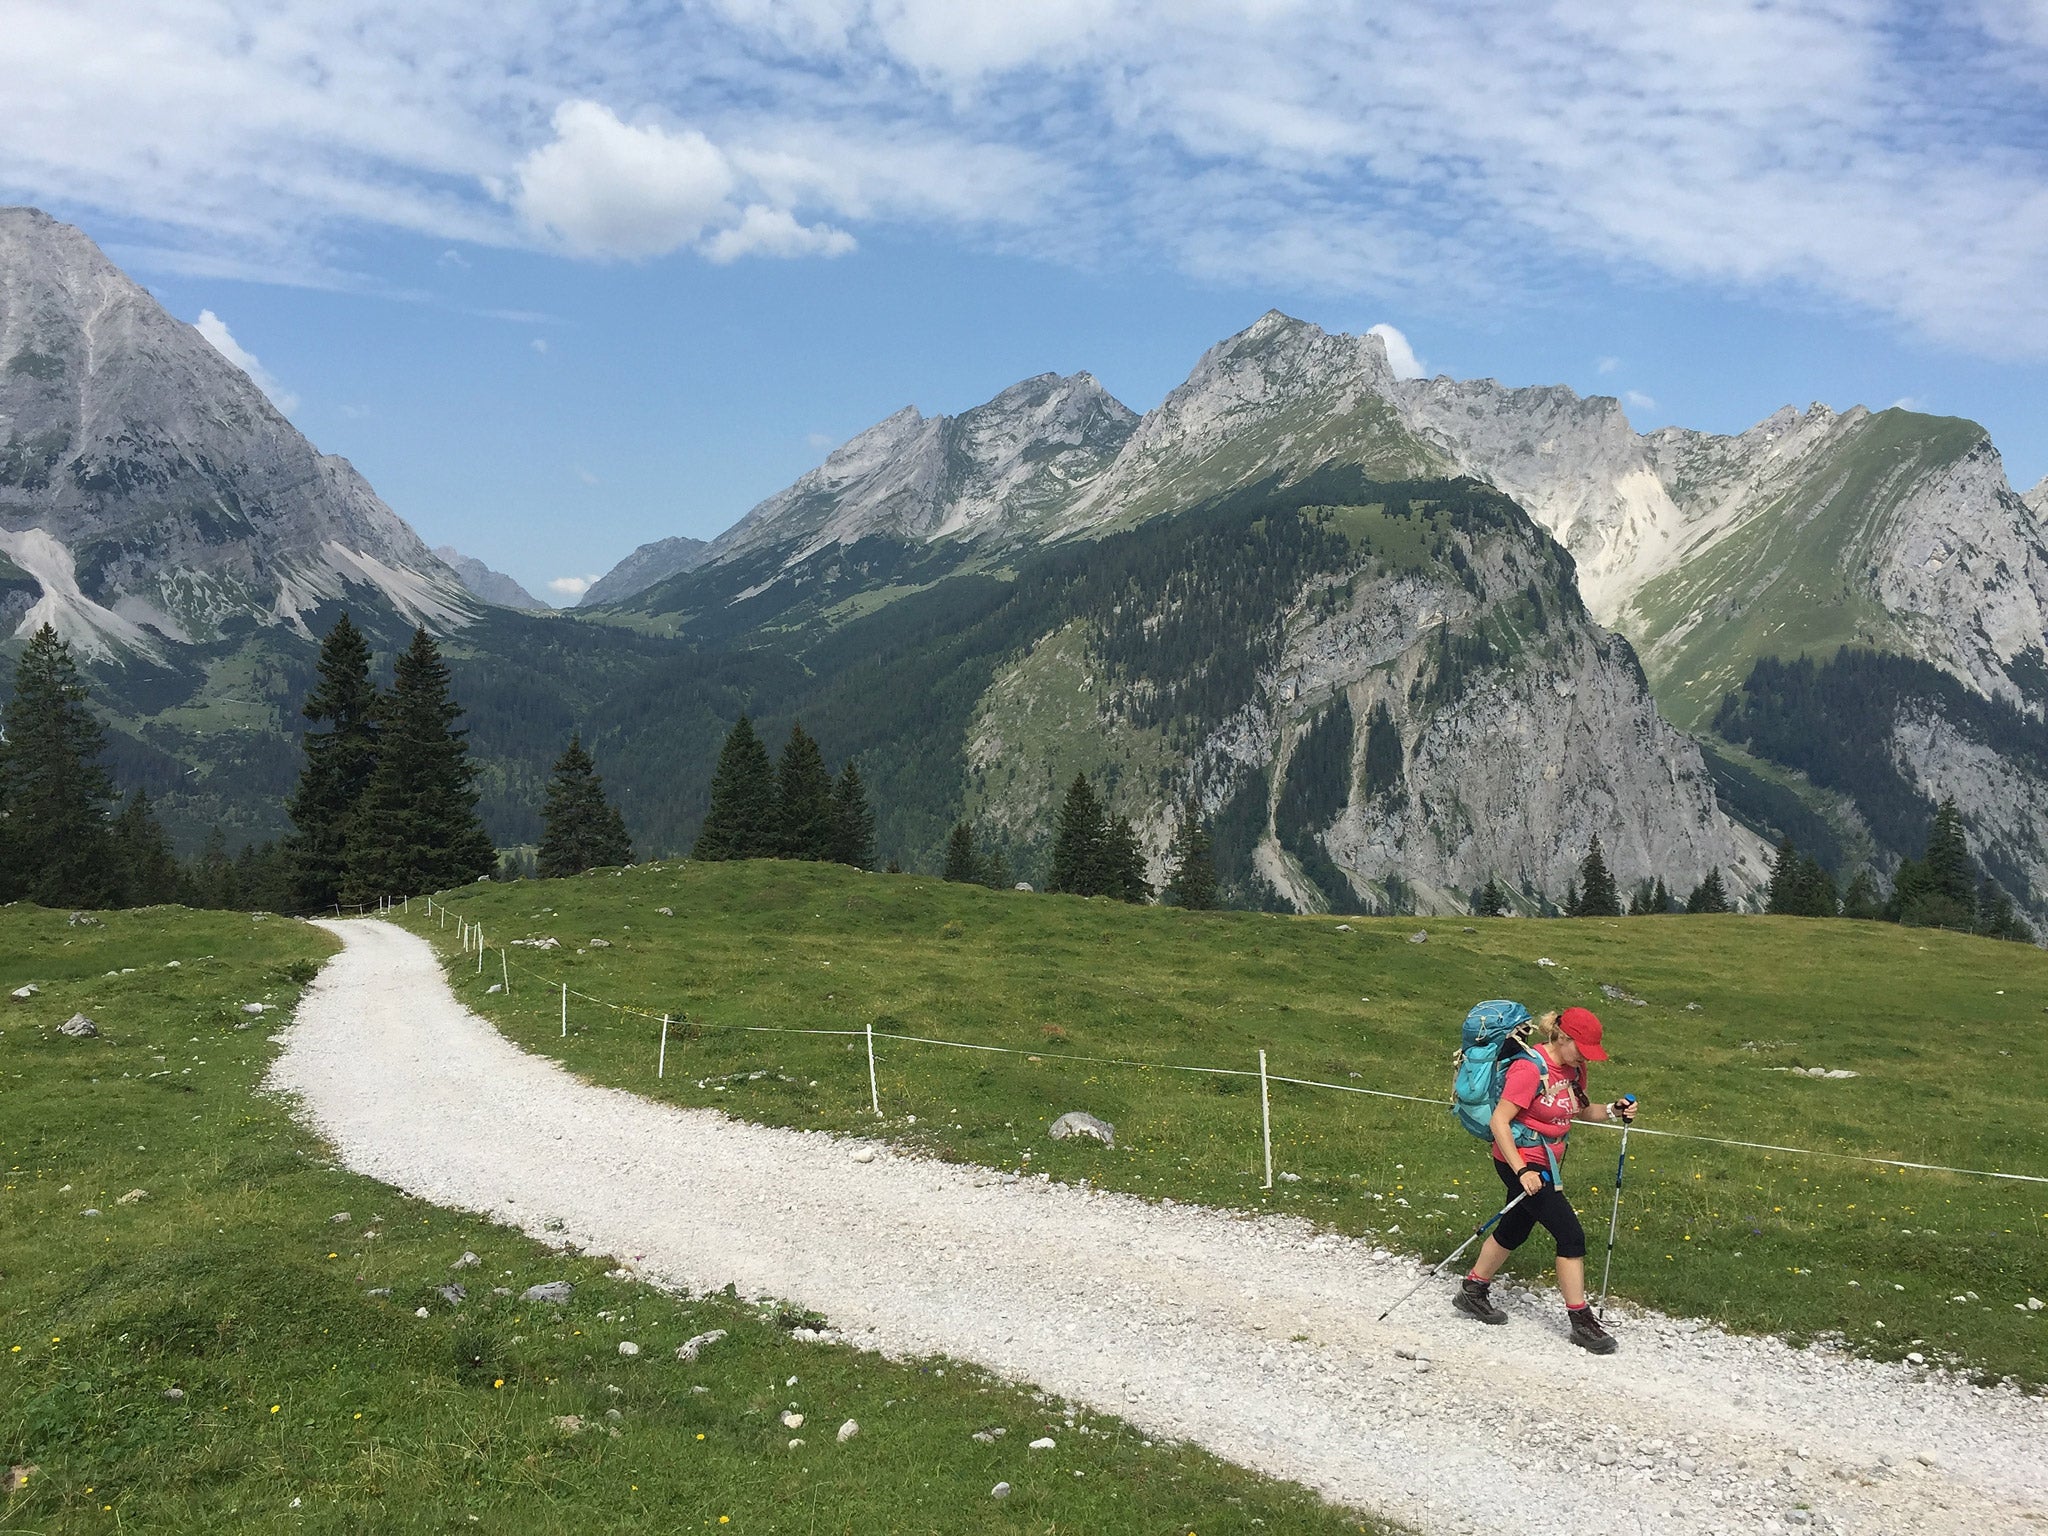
x,y
1597,895
1193,882
1492,900
213,875
1642,900
1077,842
1939,890
1710,896
1860,900
853,824
741,823
803,799
1660,898
339,761
584,830
58,849
1571,899
963,864
263,879
416,827
1996,916
1123,863
150,875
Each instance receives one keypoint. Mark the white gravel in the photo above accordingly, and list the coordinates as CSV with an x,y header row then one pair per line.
x,y
1253,1337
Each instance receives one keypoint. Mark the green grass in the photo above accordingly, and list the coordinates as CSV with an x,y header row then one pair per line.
x,y
310,1405
1945,1030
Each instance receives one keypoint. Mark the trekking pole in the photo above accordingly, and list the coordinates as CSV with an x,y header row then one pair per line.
x,y
1614,1216
1477,1232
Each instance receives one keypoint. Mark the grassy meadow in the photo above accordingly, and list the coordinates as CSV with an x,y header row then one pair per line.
x,y
1945,1032
208,1354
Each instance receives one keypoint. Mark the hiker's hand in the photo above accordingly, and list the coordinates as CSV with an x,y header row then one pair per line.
x,y
1532,1182
1623,1110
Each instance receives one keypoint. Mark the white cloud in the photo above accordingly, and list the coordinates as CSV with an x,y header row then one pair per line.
x,y
1909,403
1448,153
540,345
607,188
571,587
215,330
1606,364
1400,356
1638,401
453,258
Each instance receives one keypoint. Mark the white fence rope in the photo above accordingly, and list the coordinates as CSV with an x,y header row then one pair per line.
x,y
872,1034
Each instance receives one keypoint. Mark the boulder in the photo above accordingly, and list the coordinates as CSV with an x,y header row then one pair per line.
x,y
1077,1123
691,1348
78,1027
23,994
1419,936
600,943
557,1291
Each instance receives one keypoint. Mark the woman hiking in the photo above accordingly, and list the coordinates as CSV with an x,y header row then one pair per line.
x,y
1530,1124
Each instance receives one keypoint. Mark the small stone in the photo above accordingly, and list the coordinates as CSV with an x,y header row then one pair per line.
x,y
1290,1178
1797,1516
1000,1491
666,911
690,1349
378,1290
132,1196
1547,963
23,994
600,943
1045,1443
1927,1458
983,1437
252,1009
1917,1358
628,1348
569,1423
848,1430
493,987
792,1421
1419,936
1079,1123
796,1441
422,1312
2035,1303
78,1027
174,1394
1343,927
339,1219
467,1261
1421,1367
557,1291
90,1210
454,1294
1604,1457
501,1290
863,1154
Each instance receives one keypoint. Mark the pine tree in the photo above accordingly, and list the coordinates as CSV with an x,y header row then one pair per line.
x,y
1571,899
1077,842
583,829
416,827
213,875
150,876
1817,895
741,823
1492,900
1597,896
1710,896
963,864
1939,890
1860,900
1193,882
1660,898
803,799
339,762
59,849
1786,895
853,824
1123,863
1642,900
1996,916
995,868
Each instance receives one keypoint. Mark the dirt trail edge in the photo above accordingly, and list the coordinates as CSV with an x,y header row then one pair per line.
x,y
1253,1337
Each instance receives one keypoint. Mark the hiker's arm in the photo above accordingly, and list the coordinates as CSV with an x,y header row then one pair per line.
x,y
1502,1126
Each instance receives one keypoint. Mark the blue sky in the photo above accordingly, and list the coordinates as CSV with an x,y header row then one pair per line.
x,y
562,286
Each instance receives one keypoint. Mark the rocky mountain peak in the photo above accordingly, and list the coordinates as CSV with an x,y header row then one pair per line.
x,y
149,490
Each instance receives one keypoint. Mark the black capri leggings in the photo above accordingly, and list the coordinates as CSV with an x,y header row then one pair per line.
x,y
1550,1208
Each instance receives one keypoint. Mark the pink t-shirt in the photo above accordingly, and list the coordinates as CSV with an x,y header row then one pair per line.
x,y
1546,1111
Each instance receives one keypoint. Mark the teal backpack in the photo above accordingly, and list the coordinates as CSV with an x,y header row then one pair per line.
x,y
1492,1043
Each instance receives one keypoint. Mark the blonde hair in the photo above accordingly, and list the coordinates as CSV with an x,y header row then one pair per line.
x,y
1543,1030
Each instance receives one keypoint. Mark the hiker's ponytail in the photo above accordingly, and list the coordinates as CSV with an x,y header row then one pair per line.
x,y
1542,1030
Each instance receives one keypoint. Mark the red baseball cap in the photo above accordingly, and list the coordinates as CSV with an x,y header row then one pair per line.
x,y
1582,1025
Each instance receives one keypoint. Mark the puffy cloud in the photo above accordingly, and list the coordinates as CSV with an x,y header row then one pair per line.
x,y
1400,356
607,188
1638,401
540,345
764,231
571,587
1606,364
215,330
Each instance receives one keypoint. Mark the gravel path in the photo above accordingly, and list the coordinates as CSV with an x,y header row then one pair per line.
x,y
1253,1337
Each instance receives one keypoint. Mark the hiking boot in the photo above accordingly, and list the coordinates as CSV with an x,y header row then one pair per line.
x,y
1589,1335
1473,1301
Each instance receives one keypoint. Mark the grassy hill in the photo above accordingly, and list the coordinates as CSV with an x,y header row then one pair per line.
x,y
228,1350
1944,1031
